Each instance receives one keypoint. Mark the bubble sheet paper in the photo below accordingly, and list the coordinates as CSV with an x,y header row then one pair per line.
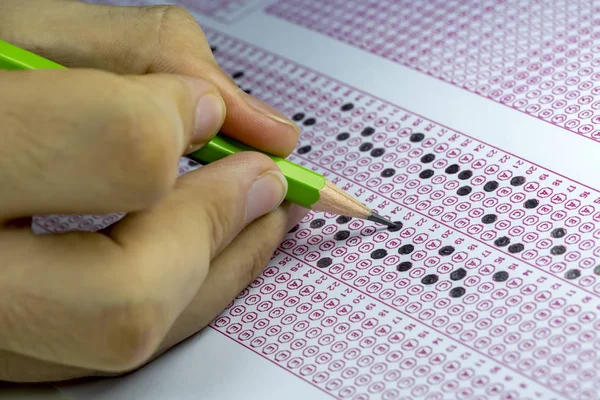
x,y
538,57
488,288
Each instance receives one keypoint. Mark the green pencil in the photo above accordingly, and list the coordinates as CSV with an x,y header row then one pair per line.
x,y
305,188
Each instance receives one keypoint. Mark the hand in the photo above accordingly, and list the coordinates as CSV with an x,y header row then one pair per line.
x,y
105,136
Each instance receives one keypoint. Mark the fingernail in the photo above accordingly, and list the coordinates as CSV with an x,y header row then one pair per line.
x,y
268,110
266,194
210,114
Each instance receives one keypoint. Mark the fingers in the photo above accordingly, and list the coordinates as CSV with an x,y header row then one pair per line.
x,y
139,40
208,208
100,143
202,216
230,273
233,270
78,300
105,303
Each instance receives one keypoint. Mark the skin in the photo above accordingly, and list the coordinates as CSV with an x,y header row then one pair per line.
x,y
105,136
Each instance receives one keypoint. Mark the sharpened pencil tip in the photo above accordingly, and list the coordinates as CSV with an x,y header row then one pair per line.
x,y
381,220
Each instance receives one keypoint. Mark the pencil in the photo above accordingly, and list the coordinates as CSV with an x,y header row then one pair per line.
x,y
306,188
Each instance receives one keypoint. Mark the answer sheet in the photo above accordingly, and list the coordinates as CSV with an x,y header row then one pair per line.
x,y
474,124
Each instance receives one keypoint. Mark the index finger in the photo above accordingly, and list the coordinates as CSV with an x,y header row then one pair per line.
x,y
140,40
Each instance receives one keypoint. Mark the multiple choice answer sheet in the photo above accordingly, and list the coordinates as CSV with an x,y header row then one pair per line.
x,y
472,124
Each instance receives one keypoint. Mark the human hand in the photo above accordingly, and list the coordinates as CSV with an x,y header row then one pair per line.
x,y
105,136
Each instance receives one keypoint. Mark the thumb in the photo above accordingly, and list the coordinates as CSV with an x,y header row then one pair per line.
x,y
102,143
142,40
205,211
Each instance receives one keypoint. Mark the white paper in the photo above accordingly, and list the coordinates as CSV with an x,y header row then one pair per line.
x,y
358,328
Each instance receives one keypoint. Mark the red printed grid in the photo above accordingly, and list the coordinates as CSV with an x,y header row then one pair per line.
x,y
335,308
539,57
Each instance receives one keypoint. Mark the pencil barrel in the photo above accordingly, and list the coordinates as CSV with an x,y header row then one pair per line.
x,y
304,185
14,58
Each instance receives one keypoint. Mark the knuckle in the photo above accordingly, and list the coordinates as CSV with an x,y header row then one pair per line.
x,y
134,321
175,14
166,18
133,333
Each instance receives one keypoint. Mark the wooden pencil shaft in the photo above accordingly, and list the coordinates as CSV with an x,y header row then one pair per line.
x,y
334,200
